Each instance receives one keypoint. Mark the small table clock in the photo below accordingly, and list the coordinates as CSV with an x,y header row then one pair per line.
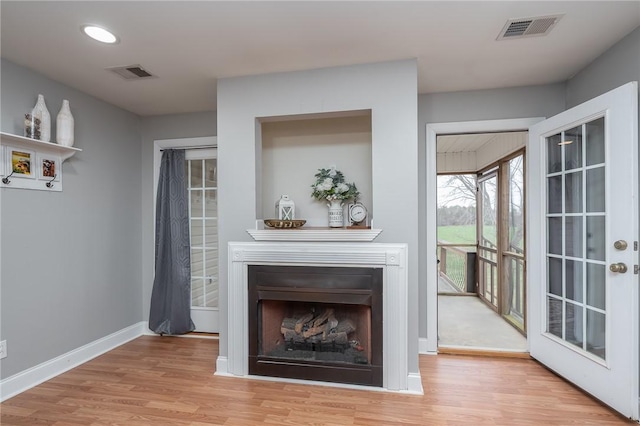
x,y
357,214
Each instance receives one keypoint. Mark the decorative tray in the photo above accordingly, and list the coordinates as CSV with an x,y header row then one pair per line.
x,y
284,224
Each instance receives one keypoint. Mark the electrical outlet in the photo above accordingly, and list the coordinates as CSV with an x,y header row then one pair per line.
x,y
3,349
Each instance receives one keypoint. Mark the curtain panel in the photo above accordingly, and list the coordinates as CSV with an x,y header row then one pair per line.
x,y
170,311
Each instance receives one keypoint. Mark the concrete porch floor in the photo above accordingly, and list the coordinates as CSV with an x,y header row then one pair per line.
x,y
465,321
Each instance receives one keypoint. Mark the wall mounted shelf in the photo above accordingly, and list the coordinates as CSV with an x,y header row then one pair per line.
x,y
27,163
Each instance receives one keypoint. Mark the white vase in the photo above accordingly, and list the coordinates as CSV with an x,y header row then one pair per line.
x,y
336,219
40,111
64,125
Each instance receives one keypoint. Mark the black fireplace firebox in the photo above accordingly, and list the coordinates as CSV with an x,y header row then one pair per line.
x,y
316,323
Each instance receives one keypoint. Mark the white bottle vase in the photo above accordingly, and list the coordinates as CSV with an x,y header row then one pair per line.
x,y
40,111
64,125
336,219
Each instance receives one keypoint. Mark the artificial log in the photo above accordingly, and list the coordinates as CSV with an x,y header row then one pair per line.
x,y
322,318
324,328
288,324
345,326
302,321
338,338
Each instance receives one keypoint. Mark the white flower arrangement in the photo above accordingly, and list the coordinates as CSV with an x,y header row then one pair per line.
x,y
330,185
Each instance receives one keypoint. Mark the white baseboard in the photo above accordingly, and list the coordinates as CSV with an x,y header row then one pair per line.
x,y
414,384
20,382
222,366
146,331
423,347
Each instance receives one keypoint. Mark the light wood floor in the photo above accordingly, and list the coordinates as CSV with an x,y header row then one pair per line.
x,y
169,381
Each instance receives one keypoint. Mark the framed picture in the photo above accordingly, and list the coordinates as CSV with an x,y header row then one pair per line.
x,y
48,167
21,162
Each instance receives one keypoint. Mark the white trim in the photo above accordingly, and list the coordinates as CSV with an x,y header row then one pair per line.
x,y
222,367
415,390
20,382
414,384
314,234
423,347
433,130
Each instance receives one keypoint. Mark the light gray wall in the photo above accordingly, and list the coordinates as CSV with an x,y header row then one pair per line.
x,y
617,66
517,102
70,260
172,126
387,89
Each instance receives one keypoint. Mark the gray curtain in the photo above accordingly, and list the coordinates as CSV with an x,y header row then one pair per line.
x,y
171,297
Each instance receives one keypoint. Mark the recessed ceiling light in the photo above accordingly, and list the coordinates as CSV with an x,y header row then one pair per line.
x,y
100,34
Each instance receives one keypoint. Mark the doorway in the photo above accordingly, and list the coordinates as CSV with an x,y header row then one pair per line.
x,y
480,229
201,171
470,164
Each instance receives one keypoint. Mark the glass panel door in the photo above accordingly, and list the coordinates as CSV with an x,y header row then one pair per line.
x,y
203,207
513,254
583,234
488,241
576,245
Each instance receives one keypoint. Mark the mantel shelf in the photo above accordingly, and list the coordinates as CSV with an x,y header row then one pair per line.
x,y
315,234
64,151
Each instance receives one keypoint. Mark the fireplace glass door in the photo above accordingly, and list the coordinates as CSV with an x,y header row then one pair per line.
x,y
316,323
327,332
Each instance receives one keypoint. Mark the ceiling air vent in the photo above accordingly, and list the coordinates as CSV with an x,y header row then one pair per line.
x,y
528,27
131,72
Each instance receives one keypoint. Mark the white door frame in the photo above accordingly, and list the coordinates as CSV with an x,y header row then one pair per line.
x,y
430,256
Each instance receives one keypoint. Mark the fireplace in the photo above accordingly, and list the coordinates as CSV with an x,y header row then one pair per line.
x,y
387,258
316,323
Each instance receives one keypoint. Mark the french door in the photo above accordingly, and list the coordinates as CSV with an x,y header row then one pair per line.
x,y
583,246
201,168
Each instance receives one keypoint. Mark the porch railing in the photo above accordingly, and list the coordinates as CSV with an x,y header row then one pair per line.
x,y
458,265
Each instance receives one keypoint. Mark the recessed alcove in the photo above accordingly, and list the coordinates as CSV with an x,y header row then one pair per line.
x,y
292,149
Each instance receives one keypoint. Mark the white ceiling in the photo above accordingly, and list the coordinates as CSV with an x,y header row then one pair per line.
x,y
189,45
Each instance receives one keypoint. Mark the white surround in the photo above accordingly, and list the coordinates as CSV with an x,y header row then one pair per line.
x,y
391,257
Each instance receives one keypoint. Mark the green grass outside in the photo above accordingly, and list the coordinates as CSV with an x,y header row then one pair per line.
x,y
463,234
457,234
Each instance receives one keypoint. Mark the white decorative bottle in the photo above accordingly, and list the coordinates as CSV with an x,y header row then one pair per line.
x,y
64,125
336,218
40,111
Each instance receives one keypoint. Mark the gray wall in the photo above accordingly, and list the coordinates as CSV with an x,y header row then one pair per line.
x,y
70,260
388,89
517,102
617,66
153,128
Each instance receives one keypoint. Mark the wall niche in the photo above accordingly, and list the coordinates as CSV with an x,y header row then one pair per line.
x,y
291,149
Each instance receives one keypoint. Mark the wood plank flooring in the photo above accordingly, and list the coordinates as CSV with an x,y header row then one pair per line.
x,y
169,381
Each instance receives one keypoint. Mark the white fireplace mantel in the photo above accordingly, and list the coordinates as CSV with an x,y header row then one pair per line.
x,y
391,257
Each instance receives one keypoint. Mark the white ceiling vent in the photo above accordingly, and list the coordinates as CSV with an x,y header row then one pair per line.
x,y
528,27
132,72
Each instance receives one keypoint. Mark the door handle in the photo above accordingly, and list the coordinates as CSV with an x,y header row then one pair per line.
x,y
620,245
618,267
